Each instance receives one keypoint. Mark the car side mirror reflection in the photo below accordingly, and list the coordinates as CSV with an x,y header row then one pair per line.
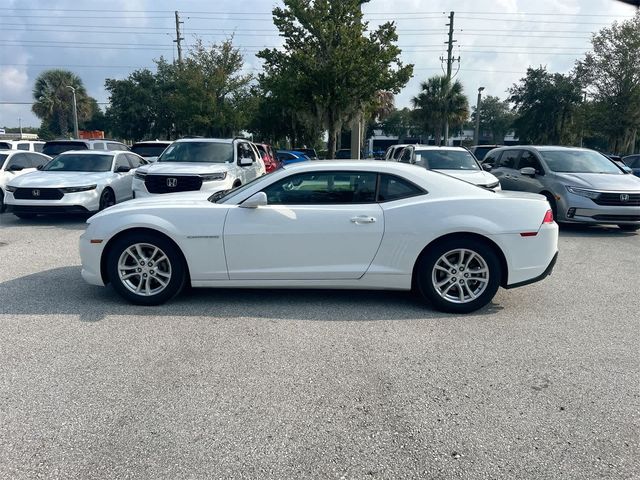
x,y
528,171
487,166
254,201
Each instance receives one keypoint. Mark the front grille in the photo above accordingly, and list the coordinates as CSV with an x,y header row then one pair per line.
x,y
616,199
172,183
617,218
38,194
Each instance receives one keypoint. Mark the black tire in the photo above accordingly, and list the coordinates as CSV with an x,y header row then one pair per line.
x,y
25,216
174,266
3,207
629,228
426,272
107,199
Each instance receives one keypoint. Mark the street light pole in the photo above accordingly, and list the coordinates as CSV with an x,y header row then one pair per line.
x,y
75,113
476,134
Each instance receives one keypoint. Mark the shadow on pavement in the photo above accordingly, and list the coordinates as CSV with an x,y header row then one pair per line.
x,y
576,230
66,222
61,291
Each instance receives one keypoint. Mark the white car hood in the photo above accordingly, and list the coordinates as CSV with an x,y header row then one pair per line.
x,y
477,177
157,202
50,179
186,168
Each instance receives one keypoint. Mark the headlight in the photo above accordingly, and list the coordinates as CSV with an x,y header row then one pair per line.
x,y
584,192
9,188
214,177
78,189
140,175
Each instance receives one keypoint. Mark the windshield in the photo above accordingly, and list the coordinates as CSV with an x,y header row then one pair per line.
x,y
149,149
205,152
446,160
579,161
481,152
80,163
56,148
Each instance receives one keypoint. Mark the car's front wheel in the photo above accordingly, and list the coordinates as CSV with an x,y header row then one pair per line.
x,y
107,199
146,269
629,228
459,276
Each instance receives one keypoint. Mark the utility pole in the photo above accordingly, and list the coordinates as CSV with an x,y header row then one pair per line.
x,y
356,128
75,113
450,61
476,135
178,37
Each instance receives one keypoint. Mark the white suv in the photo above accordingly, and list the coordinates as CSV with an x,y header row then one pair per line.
x,y
210,164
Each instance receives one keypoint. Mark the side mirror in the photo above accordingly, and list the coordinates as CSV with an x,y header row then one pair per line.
x,y
40,167
246,161
256,200
487,166
15,168
122,169
528,171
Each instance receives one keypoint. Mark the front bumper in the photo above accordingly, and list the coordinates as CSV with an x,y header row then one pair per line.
x,y
90,256
79,202
577,209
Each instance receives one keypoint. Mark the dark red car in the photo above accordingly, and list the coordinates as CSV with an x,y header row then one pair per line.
x,y
269,158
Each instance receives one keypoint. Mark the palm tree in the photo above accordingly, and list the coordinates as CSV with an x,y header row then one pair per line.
x,y
53,100
438,101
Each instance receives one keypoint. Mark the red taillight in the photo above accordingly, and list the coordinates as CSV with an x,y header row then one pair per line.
x,y
548,217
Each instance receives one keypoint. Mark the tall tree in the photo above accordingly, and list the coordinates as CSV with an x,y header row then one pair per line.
x,y
53,100
612,71
496,118
337,67
545,104
440,100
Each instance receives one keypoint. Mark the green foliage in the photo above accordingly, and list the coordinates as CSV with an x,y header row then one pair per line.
x,y
329,69
496,118
54,101
545,105
612,72
438,101
205,95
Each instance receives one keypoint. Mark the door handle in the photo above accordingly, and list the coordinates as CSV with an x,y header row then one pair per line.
x,y
363,219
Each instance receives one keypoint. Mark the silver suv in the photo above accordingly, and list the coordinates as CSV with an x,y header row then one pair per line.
x,y
582,185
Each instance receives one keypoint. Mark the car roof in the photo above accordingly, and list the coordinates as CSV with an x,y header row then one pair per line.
x,y
211,140
95,152
153,142
419,146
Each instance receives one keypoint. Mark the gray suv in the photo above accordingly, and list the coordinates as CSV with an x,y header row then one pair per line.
x,y
581,185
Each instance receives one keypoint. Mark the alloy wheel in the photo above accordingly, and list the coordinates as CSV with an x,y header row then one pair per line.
x,y
460,276
144,269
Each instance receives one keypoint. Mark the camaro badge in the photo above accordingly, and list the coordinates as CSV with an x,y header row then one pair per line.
x,y
624,197
35,193
172,182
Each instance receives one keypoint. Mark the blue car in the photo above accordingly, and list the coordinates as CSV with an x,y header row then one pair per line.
x,y
633,162
291,156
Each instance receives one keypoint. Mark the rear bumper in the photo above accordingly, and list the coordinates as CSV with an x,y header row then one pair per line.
x,y
542,276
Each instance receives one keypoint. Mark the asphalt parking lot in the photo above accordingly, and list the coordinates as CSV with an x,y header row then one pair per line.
x,y
544,383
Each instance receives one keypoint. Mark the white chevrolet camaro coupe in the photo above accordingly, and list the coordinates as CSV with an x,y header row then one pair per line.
x,y
74,182
332,224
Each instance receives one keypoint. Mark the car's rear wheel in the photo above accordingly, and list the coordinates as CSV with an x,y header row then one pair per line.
x,y
629,228
146,269
459,276
107,199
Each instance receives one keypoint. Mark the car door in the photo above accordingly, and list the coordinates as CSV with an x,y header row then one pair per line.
x,y
122,182
316,226
505,169
527,183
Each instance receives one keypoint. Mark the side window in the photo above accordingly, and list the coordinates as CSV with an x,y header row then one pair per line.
x,y
37,160
38,147
99,146
112,146
405,156
23,146
134,160
19,160
528,159
121,161
509,159
323,188
394,188
245,151
492,158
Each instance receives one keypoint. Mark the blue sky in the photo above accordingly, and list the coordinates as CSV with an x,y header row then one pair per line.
x,y
496,39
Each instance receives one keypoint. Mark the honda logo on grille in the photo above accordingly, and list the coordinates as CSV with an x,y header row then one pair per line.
x,y
172,182
35,193
624,197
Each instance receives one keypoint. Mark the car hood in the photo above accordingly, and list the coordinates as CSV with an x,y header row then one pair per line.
x,y
50,179
515,194
171,200
177,168
477,177
601,181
